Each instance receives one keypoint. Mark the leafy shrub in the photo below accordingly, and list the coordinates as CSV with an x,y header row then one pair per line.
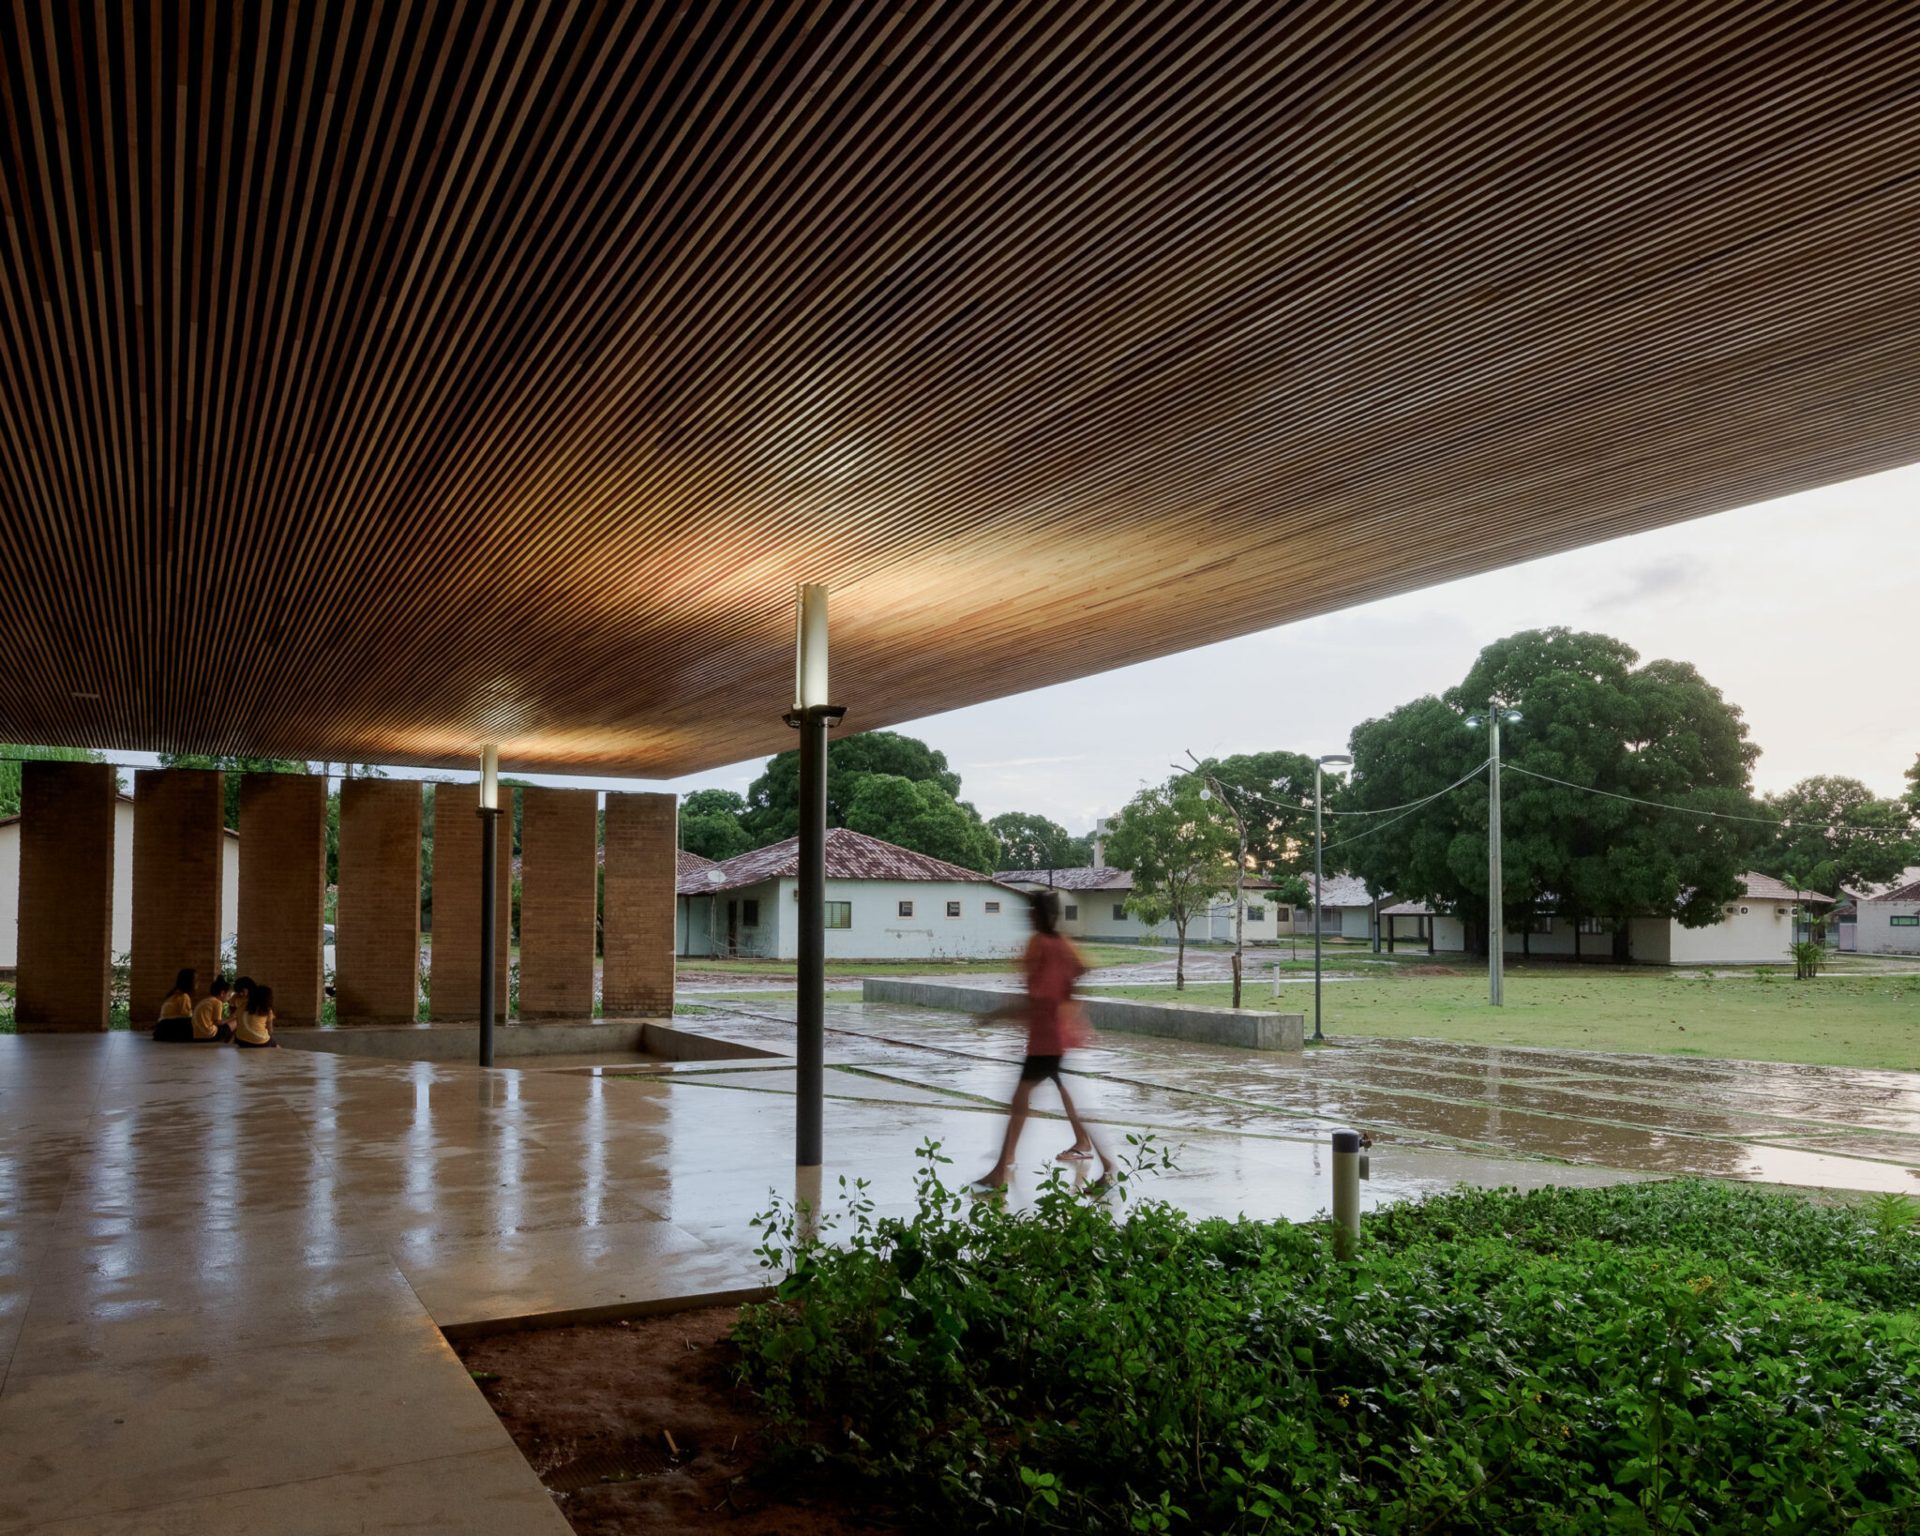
x,y
1669,1357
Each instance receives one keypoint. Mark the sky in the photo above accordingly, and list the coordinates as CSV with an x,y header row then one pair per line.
x,y
1801,611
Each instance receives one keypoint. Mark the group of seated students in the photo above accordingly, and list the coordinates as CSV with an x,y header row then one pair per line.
x,y
238,1011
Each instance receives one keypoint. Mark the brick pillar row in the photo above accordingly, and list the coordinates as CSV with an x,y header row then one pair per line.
x,y
283,889
64,964
453,990
179,845
559,839
377,922
642,834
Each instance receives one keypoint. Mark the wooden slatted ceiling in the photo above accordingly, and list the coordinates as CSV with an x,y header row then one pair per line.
x,y
377,379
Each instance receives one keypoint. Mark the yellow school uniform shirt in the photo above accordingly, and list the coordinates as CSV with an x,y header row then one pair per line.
x,y
177,1006
207,1014
254,1028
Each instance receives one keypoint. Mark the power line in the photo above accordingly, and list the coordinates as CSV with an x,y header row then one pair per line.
x,y
1410,808
1690,810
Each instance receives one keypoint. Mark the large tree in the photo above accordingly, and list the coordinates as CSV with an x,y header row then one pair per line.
x,y
1028,841
1274,792
920,814
1913,785
1592,718
1180,851
12,755
773,799
712,824
1834,832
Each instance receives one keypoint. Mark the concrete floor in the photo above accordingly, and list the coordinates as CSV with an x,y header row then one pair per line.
x,y
223,1274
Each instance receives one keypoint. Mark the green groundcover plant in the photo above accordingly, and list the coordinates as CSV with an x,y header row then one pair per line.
x,y
1681,1357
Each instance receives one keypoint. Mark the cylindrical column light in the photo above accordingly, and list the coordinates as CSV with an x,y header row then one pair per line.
x,y
812,716
489,808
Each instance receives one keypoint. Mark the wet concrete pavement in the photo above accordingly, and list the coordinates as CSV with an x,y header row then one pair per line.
x,y
223,1274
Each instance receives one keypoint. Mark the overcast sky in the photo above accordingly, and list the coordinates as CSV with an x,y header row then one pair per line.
x,y
1801,611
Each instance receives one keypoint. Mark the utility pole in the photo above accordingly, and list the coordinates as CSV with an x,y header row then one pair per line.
x,y
1496,908
1319,879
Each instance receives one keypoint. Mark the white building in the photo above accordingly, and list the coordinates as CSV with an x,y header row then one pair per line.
x,y
122,885
883,903
1345,908
1889,924
1093,908
1756,928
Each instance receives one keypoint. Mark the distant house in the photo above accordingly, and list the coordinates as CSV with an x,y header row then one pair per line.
x,y
1345,910
884,902
1093,908
1889,924
689,868
1758,927
122,884
1846,917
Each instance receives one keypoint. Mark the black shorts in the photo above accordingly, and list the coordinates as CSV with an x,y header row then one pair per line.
x,y
1037,1069
256,1045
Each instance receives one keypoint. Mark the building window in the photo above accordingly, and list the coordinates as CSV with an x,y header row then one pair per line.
x,y
1593,925
1256,914
839,914
1911,920
953,909
1070,913
750,913
992,908
1543,922
1283,914
906,909
1119,911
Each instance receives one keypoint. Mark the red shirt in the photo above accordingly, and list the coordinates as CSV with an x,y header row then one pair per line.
x,y
1052,966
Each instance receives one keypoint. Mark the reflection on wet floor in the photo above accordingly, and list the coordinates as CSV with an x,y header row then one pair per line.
x,y
1830,1126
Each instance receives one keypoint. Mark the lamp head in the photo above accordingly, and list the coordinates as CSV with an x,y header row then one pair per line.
x,y
1335,760
489,778
1206,794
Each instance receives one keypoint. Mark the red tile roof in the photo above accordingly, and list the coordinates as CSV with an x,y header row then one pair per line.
x,y
850,856
687,865
1083,878
1903,893
1765,888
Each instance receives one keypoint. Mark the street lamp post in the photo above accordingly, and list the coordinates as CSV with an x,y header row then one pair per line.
x,y
489,807
1496,884
1340,759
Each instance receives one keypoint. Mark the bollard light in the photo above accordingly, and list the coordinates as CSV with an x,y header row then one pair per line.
x,y
489,778
1346,1193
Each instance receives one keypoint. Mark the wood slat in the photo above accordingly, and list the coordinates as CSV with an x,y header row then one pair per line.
x,y
376,380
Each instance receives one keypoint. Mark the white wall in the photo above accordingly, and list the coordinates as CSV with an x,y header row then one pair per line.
x,y
9,896
877,930
1874,933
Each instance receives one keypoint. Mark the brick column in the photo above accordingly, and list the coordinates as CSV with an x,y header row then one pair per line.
x,y
179,843
559,836
454,986
283,888
642,832
376,976
64,975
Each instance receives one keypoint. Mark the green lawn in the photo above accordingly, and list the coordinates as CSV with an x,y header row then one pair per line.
x,y
1836,1020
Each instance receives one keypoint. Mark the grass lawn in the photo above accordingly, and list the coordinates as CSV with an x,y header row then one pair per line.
x,y
1835,1020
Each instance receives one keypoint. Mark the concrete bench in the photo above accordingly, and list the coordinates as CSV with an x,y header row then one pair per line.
x,y
1246,1028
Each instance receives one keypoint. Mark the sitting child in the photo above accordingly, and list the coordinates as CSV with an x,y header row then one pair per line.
x,y
210,1014
176,1010
254,1026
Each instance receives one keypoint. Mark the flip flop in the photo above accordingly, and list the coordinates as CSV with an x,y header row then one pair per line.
x,y
1094,1188
980,1189
1074,1155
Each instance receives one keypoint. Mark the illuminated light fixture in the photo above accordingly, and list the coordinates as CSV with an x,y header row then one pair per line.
x,y
489,778
810,649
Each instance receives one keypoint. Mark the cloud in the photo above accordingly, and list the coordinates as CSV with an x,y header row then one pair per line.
x,y
1645,583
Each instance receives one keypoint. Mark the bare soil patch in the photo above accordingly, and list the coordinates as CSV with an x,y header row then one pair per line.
x,y
640,1427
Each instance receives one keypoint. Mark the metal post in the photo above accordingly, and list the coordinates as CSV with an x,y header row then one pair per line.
x,y
489,883
810,1046
1496,911
1319,895
1346,1193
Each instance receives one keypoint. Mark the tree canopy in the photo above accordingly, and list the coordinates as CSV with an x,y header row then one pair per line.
x,y
921,815
1594,718
712,824
1179,850
1028,841
773,799
233,768
1274,793
1837,832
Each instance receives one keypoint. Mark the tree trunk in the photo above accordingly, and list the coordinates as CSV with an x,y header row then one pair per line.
x,y
1622,942
1576,940
1180,956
